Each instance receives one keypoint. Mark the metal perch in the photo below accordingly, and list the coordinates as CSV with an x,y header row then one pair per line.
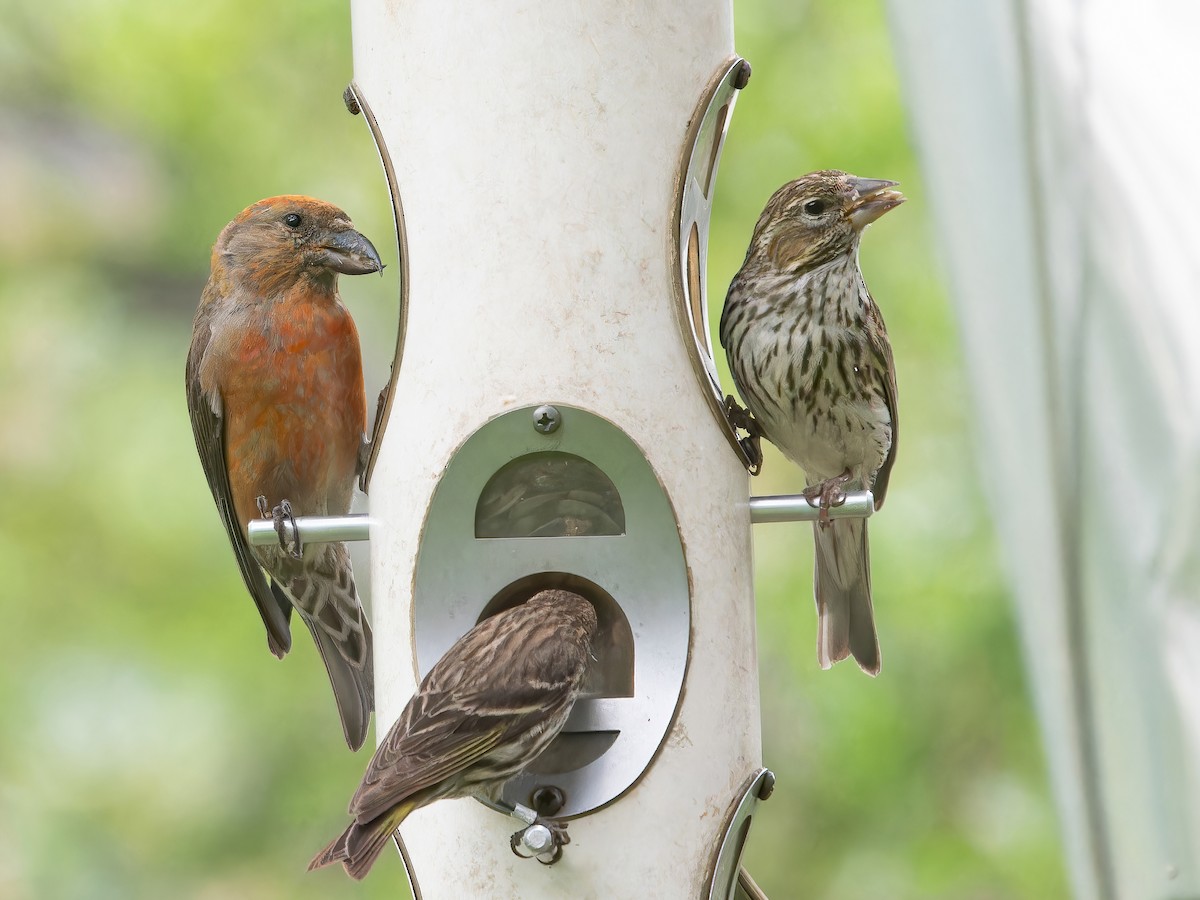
x,y
777,508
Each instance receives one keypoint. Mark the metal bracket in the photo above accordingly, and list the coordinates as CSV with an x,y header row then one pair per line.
x,y
729,855
356,103
694,192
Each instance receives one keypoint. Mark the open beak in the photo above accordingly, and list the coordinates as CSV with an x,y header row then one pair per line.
x,y
350,253
874,197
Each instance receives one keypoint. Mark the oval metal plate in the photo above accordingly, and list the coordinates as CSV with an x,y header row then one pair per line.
x,y
643,570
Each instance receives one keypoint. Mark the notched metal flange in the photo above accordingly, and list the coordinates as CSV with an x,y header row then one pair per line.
x,y
729,854
357,104
694,193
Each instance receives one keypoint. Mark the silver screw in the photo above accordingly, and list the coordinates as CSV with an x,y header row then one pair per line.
x,y
537,839
546,419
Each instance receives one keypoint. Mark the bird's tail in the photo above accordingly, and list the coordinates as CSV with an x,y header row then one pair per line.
x,y
353,682
359,846
323,592
842,585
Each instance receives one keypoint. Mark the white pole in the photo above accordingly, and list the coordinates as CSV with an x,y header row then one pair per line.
x,y
538,149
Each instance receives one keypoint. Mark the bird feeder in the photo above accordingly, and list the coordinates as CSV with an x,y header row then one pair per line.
x,y
554,419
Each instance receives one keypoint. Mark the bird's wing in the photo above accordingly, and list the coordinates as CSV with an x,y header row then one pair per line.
x,y
503,677
434,740
885,371
208,428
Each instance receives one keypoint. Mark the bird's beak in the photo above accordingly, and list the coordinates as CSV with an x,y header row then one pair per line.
x,y
350,253
875,197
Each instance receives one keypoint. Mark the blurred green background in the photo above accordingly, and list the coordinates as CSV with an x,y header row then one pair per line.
x,y
149,744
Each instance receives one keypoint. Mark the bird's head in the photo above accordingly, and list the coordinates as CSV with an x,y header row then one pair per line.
x,y
281,240
819,217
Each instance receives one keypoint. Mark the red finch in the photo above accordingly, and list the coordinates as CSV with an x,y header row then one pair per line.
x,y
275,392
811,358
485,711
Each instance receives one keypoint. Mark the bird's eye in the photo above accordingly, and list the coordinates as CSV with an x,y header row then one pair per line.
x,y
292,220
814,207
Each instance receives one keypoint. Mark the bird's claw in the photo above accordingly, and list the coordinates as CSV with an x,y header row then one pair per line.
x,y
558,839
283,516
827,495
741,420
364,458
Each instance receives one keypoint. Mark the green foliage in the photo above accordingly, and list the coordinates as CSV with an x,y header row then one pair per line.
x,y
149,744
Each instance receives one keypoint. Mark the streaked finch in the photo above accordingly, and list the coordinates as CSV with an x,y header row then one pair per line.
x,y
275,393
485,711
810,356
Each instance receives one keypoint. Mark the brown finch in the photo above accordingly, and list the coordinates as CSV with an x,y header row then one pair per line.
x,y
484,712
810,355
275,392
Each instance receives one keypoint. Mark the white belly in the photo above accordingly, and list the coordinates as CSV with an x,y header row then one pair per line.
x,y
823,435
856,436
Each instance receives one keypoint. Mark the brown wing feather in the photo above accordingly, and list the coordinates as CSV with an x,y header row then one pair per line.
x,y
443,732
445,752
881,349
508,674
208,429
448,735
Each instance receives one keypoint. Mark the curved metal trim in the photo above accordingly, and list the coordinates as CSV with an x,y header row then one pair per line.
x,y
409,871
729,854
384,406
693,208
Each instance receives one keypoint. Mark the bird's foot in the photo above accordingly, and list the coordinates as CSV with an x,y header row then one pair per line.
x,y
283,517
740,418
543,838
828,494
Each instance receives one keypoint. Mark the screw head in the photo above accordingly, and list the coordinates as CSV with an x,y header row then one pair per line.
x,y
537,838
546,419
742,78
768,785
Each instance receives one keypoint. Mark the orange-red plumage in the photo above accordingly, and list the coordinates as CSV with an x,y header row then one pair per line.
x,y
275,391
294,388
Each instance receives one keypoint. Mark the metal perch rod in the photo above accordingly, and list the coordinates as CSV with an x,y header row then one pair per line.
x,y
313,529
798,508
779,508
